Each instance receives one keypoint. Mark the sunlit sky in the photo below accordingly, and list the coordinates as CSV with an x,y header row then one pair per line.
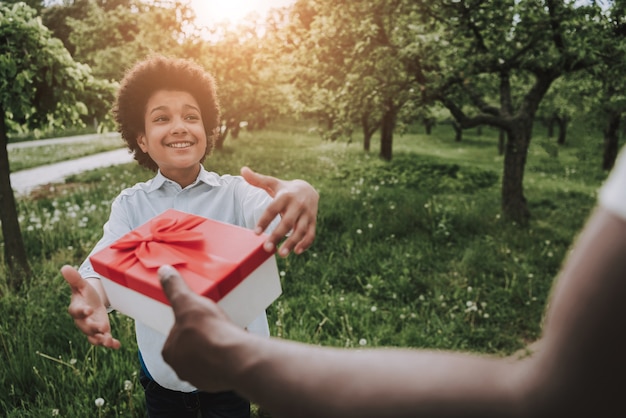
x,y
212,11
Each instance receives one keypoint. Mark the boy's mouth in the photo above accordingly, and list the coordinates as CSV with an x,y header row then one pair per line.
x,y
180,144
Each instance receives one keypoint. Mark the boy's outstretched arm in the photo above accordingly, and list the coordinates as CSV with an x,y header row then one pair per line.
x,y
296,201
87,308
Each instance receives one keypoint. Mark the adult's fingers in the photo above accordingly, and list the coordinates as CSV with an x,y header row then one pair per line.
x,y
174,287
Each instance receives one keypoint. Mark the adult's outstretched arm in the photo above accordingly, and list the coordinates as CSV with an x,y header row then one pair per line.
x,y
578,370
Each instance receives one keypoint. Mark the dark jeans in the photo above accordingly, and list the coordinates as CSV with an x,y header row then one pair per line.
x,y
165,403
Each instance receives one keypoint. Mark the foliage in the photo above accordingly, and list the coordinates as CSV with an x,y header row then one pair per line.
x,y
490,63
112,37
40,84
493,64
400,259
248,83
352,72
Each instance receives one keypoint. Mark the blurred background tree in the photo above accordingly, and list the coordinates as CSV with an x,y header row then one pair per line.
x,y
41,87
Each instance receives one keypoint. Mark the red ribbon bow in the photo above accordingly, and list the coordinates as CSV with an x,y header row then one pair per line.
x,y
170,241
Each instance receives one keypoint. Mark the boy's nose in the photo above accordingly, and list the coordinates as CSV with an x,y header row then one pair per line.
x,y
179,127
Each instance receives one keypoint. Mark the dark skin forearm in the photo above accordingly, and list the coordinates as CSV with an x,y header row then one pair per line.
x,y
578,370
296,380
581,365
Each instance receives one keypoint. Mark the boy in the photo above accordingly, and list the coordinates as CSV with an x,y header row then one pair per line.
x,y
167,112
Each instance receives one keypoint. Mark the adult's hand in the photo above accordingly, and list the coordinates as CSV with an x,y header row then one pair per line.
x,y
203,344
296,201
88,310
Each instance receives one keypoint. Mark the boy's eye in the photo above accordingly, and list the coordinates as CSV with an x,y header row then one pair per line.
x,y
161,118
192,117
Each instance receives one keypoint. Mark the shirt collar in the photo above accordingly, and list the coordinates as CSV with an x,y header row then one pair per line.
x,y
204,176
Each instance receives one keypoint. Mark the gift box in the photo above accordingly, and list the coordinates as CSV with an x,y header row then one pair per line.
x,y
223,262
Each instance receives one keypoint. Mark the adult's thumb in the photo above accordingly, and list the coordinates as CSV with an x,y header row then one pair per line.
x,y
174,287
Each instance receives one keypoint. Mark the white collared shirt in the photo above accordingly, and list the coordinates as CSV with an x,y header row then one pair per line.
x,y
224,198
613,193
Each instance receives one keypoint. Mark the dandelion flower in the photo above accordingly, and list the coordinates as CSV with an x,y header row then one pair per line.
x,y
99,402
373,309
362,341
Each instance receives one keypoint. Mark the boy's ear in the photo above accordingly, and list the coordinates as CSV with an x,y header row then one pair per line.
x,y
141,141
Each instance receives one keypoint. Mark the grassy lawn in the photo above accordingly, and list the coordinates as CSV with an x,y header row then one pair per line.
x,y
411,253
29,157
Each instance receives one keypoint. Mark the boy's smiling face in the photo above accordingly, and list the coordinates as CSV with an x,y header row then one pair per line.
x,y
174,135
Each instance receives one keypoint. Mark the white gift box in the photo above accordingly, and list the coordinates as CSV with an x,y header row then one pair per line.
x,y
223,262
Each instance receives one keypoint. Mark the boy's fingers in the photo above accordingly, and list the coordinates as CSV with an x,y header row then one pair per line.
x,y
267,183
72,277
174,287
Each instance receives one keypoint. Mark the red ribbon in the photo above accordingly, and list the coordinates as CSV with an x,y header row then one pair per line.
x,y
170,241
173,242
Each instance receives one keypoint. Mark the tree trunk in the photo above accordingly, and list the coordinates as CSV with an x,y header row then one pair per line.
x,y
220,138
562,122
367,141
458,132
550,124
514,204
14,251
234,128
367,133
611,141
501,141
428,125
386,135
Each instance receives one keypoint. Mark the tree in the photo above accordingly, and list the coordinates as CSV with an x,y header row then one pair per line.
x,y
247,78
40,87
352,57
613,92
112,36
55,17
492,63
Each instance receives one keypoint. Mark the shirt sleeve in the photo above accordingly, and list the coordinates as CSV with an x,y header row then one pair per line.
x,y
117,226
254,201
613,192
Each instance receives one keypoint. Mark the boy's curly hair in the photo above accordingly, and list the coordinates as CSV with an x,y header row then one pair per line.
x,y
162,73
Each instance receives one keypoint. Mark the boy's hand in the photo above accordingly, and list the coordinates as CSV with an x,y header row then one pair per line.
x,y
296,202
88,310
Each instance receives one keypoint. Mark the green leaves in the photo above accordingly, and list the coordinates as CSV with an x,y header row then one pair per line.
x,y
41,84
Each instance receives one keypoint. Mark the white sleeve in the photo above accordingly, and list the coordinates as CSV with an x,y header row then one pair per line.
x,y
116,227
613,192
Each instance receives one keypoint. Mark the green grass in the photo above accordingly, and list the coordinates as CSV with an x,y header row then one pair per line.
x,y
29,157
411,253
